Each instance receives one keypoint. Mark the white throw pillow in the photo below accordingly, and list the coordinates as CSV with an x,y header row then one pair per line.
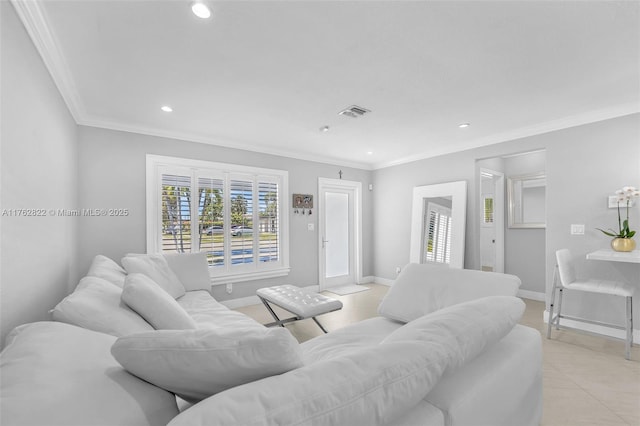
x,y
95,304
424,288
195,364
154,304
59,374
371,386
465,329
155,266
105,268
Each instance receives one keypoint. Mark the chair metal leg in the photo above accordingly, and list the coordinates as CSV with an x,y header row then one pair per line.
x,y
629,327
551,304
631,318
550,322
560,293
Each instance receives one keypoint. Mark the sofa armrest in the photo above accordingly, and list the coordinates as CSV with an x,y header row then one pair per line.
x,y
59,374
192,270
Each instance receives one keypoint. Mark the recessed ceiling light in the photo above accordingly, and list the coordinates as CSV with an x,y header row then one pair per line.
x,y
201,10
167,108
464,125
324,129
369,152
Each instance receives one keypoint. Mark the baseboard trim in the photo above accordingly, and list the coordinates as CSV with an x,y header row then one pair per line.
x,y
241,302
383,281
532,295
591,328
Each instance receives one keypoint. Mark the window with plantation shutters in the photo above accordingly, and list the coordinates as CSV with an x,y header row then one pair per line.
x,y
176,213
269,226
235,214
211,195
488,210
242,223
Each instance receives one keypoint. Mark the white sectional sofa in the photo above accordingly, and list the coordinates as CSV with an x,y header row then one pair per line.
x,y
445,350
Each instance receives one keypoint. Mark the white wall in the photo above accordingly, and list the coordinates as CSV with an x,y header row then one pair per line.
x,y
584,165
393,188
39,171
112,175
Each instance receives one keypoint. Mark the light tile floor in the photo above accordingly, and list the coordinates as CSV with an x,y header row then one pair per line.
x,y
587,381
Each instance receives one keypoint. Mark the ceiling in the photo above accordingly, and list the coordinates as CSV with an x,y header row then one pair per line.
x,y
268,75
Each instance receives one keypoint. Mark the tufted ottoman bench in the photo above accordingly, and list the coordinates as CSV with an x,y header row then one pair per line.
x,y
301,303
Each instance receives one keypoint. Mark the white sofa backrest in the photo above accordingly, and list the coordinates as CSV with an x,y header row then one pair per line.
x,y
424,288
192,270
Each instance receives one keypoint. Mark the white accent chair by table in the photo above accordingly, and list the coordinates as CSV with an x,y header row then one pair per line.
x,y
564,277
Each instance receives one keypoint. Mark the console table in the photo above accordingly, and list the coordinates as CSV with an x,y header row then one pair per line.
x,y
615,256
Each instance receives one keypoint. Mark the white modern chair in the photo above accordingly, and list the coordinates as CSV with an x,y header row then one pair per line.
x,y
566,275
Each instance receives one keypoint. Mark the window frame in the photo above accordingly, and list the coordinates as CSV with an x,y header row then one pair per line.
x,y
157,165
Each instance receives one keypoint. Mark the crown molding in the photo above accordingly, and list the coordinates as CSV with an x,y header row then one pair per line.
x,y
523,132
225,143
33,18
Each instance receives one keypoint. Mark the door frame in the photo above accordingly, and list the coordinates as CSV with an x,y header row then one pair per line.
x,y
355,252
498,216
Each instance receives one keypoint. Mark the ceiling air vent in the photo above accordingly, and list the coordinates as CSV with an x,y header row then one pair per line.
x,y
354,111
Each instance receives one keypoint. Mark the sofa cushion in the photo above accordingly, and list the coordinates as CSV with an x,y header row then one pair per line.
x,y
207,312
59,374
154,304
96,304
105,268
366,333
364,387
155,266
465,329
424,288
195,364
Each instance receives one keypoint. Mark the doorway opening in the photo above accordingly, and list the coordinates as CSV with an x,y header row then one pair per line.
x,y
491,220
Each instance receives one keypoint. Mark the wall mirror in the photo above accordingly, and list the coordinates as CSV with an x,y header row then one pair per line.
x,y
526,199
438,222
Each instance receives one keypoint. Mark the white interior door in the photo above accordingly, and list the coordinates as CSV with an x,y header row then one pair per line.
x,y
491,221
339,224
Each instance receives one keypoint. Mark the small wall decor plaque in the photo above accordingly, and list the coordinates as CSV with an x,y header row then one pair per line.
x,y
302,203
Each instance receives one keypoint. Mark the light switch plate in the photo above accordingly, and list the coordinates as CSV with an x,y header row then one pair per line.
x,y
613,202
577,229
310,227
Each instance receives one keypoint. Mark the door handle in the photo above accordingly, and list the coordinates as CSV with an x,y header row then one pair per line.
x,y
324,242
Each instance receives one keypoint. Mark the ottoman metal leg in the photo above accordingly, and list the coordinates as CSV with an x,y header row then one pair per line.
x,y
319,325
278,321
273,314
